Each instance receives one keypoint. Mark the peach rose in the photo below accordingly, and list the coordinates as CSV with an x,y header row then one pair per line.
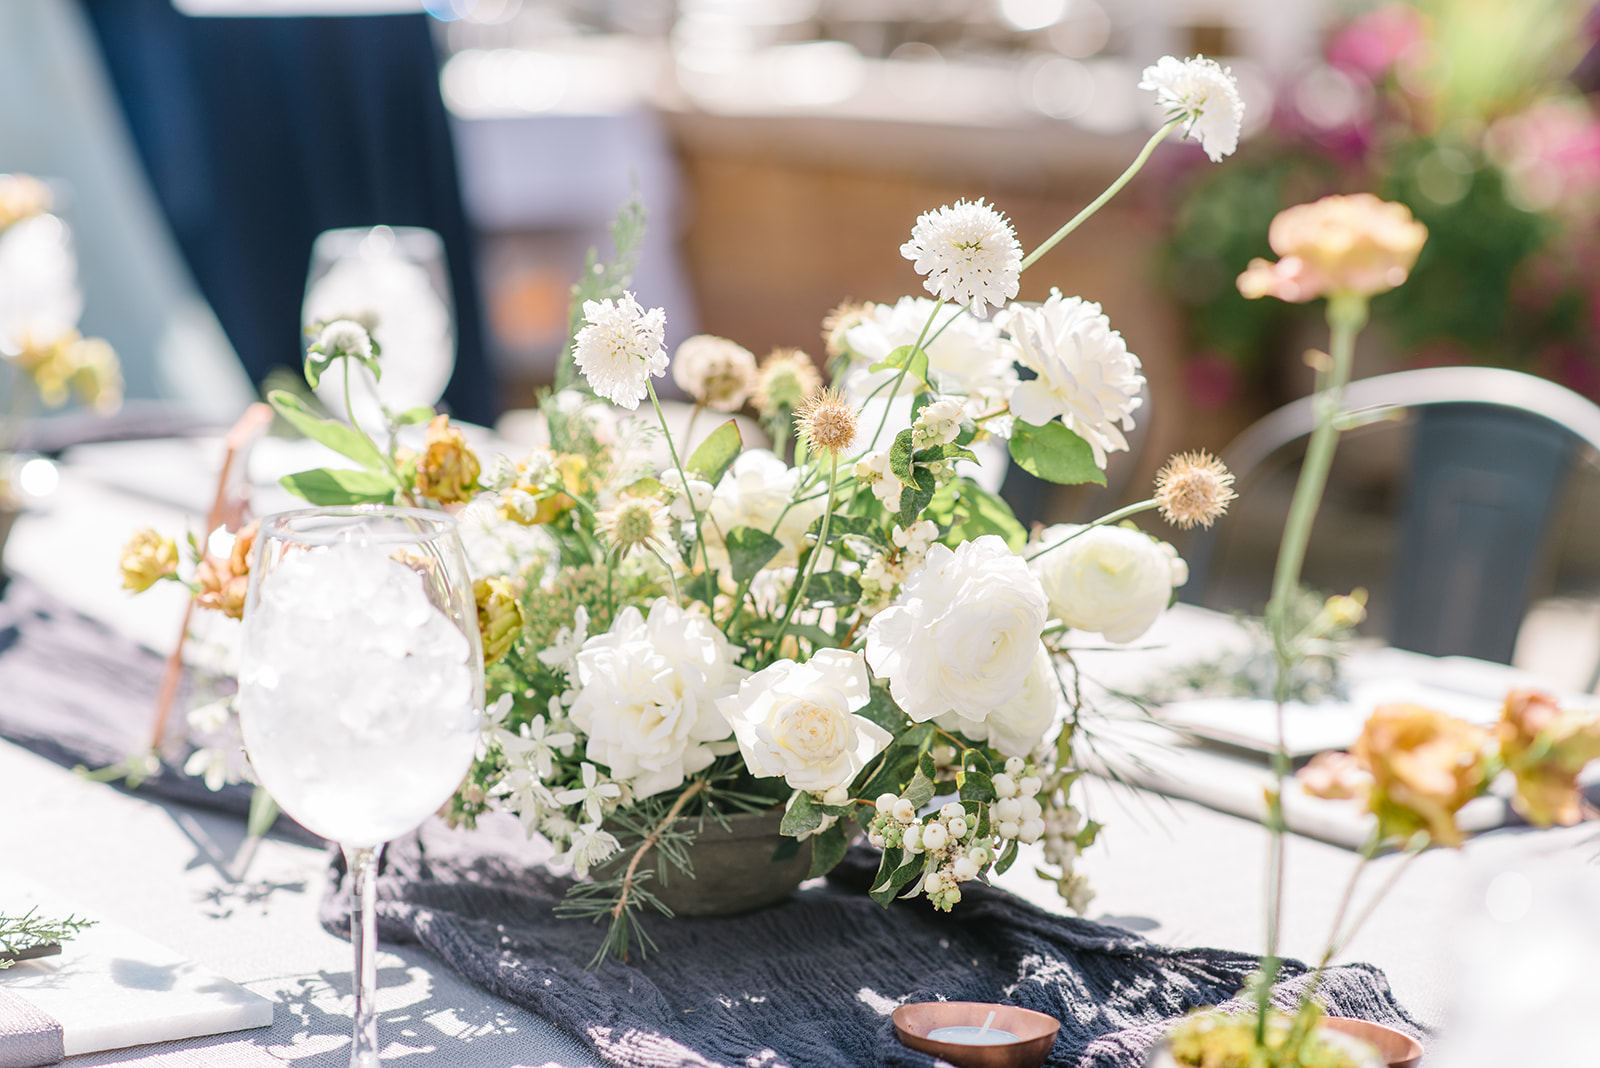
x,y
1356,245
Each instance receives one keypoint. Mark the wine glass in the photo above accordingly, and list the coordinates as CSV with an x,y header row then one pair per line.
x,y
360,688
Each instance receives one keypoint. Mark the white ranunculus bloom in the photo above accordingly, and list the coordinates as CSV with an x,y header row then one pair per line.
x,y
964,358
1018,726
754,493
799,721
963,634
1112,580
1204,95
1086,375
648,692
620,347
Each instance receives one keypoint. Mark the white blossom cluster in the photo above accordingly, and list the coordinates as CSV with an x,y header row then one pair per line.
x,y
953,851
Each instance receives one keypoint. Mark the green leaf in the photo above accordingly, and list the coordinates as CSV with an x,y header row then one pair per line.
x,y
841,526
316,363
644,487
915,361
1055,454
803,816
410,416
703,587
912,502
920,790
342,438
716,454
975,760
327,485
881,709
828,849
1091,831
948,451
889,886
749,550
919,738
977,786
1008,857
788,849
968,511
833,588
768,628
900,460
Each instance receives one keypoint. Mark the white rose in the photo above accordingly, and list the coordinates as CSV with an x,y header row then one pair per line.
x,y
1108,579
964,633
799,721
648,691
1016,727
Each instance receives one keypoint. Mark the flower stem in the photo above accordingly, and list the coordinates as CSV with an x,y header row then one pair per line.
x,y
1110,517
1100,201
699,534
888,404
811,563
1346,313
649,842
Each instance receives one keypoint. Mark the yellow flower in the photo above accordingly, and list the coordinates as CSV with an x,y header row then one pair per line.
x,y
97,375
447,471
1341,245
1425,765
1545,747
224,582
21,197
500,616
1193,489
148,558
544,488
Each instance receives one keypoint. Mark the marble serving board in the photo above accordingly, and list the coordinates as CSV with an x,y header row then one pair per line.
x,y
111,987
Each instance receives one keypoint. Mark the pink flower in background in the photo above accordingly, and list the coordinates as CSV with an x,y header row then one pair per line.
x,y
1550,154
1376,41
1354,244
1210,380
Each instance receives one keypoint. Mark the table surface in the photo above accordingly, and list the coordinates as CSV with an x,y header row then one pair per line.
x,y
1170,869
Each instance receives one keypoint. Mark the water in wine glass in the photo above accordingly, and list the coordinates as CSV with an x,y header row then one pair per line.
x,y
358,700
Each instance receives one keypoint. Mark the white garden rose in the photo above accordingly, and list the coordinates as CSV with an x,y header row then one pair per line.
x,y
799,721
754,493
964,633
1112,580
1017,727
648,692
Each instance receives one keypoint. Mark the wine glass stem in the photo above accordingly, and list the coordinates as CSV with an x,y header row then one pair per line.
x,y
362,862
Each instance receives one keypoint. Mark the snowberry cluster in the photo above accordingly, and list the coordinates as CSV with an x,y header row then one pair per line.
x,y
884,572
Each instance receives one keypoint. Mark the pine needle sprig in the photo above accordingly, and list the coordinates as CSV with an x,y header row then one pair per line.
x,y
18,934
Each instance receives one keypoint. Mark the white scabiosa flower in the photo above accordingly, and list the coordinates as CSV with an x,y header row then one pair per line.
x,y
799,721
1086,376
1203,94
716,372
969,253
964,633
620,347
345,337
649,692
1111,580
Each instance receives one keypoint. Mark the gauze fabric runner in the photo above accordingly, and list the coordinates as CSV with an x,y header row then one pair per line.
x,y
809,983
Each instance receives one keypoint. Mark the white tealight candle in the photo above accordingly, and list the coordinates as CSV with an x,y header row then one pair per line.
x,y
973,1036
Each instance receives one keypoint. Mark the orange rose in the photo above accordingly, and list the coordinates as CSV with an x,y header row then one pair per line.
x,y
1355,245
224,583
447,471
1546,747
1425,765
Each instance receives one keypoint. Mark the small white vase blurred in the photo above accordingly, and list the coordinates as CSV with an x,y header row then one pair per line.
x,y
394,281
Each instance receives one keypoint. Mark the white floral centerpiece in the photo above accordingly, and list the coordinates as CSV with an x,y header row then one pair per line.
x,y
847,632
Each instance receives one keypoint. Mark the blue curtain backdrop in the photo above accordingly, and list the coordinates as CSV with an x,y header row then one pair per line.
x,y
260,133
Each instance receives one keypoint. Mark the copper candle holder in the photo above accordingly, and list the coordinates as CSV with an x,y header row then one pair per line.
x,y
1398,1050
1035,1032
